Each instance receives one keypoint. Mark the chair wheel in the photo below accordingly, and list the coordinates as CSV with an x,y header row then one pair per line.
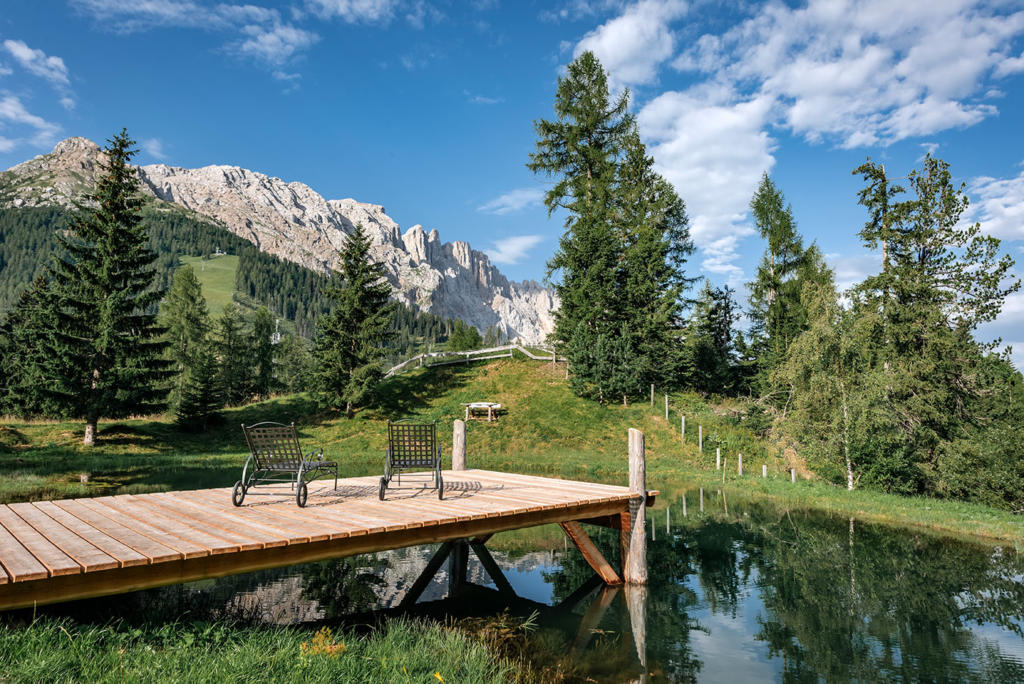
x,y
383,487
440,487
238,493
301,495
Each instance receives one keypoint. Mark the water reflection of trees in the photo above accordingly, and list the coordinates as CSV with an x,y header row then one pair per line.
x,y
850,601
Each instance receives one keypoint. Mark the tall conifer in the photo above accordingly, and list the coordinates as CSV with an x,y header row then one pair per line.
x,y
234,356
350,340
262,352
187,320
107,344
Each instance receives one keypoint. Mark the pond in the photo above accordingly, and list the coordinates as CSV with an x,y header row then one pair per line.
x,y
739,592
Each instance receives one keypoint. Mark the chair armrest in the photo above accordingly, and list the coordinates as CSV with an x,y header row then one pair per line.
x,y
320,455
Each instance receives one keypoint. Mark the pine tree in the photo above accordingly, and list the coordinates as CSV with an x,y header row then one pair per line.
x,y
579,149
350,340
201,395
294,364
709,362
775,309
234,357
262,353
187,320
26,365
654,230
107,348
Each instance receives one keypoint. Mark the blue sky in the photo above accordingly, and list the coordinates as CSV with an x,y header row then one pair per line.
x,y
427,107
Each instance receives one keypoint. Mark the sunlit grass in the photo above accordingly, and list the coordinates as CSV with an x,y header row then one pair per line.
x,y
544,430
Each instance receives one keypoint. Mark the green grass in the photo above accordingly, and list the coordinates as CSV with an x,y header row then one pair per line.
x,y
545,430
403,651
217,277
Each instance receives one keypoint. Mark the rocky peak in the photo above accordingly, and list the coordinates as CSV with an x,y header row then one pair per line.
x,y
292,221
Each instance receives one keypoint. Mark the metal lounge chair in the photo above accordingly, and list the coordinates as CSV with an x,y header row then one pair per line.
x,y
275,456
412,446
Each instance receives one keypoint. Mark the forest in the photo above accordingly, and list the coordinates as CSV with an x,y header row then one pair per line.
x,y
884,385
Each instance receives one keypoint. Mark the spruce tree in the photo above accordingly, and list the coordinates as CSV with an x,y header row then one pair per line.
x,y
234,356
350,340
187,320
26,364
262,353
653,228
107,348
579,150
709,362
294,364
775,309
201,395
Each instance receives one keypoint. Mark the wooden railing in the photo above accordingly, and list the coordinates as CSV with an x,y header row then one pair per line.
x,y
504,352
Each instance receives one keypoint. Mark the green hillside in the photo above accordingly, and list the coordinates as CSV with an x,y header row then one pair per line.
x,y
217,276
545,430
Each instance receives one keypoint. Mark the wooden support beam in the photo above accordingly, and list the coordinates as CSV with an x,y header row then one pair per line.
x,y
492,568
427,576
582,593
592,619
590,552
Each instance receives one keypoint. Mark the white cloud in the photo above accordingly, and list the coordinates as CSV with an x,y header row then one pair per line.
x,y
512,250
263,36
865,72
37,62
67,103
853,269
481,99
5,71
420,12
633,45
154,147
852,73
355,11
273,45
998,206
712,146
512,201
43,133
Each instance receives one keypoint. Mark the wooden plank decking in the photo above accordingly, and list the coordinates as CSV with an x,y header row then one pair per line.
x,y
63,550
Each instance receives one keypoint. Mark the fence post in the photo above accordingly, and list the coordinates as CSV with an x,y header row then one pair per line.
x,y
666,407
739,467
652,394
636,562
459,446
718,458
792,475
764,471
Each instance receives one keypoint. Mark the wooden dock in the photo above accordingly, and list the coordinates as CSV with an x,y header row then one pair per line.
x,y
53,551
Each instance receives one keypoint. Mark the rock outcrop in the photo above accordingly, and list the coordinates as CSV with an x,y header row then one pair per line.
x,y
294,222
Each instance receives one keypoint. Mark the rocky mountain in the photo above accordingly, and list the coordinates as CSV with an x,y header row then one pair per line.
x,y
292,221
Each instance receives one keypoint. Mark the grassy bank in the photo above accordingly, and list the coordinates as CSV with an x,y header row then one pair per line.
x,y
545,430
403,651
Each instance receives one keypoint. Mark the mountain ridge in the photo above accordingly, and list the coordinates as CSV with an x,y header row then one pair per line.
x,y
294,222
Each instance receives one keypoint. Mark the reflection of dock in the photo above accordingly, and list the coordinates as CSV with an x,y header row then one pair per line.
x,y
62,550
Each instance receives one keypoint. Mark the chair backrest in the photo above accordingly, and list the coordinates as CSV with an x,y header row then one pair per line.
x,y
274,446
413,445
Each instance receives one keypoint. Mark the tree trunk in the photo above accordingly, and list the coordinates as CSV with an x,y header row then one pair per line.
x,y
348,409
90,431
846,438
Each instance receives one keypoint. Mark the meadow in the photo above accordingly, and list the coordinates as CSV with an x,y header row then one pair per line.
x,y
544,430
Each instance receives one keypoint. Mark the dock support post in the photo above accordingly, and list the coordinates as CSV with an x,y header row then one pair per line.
x,y
492,568
636,605
636,562
459,446
458,565
421,583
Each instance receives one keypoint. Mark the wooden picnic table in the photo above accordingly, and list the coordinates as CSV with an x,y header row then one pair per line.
x,y
481,406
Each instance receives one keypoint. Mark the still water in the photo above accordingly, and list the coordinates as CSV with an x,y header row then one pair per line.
x,y
739,592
